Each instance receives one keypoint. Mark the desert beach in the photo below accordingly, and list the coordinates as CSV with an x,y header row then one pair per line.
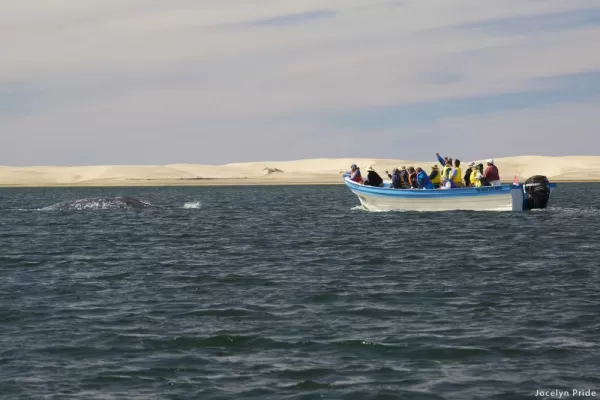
x,y
309,171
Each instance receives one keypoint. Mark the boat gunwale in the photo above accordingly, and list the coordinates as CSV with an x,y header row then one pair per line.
x,y
500,190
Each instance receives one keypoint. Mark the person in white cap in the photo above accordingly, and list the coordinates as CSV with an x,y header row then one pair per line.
x,y
491,173
373,178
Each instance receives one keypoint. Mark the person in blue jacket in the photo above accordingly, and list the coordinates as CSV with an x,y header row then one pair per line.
x,y
443,160
396,178
423,179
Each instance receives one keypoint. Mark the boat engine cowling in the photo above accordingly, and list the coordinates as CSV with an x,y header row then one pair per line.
x,y
537,192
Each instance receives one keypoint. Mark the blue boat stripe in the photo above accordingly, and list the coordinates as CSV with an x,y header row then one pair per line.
x,y
501,190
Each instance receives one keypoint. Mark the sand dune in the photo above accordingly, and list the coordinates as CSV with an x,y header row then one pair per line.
x,y
315,171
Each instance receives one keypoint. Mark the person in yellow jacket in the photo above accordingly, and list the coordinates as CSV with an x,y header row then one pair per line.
x,y
435,176
473,177
446,170
479,175
456,174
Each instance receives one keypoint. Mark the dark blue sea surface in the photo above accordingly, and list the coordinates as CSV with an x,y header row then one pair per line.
x,y
293,292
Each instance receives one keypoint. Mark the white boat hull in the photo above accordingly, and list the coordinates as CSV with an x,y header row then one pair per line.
x,y
490,198
487,203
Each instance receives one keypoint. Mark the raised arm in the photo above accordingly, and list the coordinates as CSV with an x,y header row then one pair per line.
x,y
441,159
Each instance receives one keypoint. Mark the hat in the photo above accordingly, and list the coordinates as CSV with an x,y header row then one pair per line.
x,y
435,166
370,168
403,167
490,161
395,169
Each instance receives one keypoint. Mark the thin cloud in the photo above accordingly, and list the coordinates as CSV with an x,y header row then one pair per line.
x,y
292,19
562,89
550,22
158,74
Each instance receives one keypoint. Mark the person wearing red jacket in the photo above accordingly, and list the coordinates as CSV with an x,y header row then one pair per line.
x,y
491,173
355,174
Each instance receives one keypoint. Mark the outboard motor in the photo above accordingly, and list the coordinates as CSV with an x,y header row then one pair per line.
x,y
537,192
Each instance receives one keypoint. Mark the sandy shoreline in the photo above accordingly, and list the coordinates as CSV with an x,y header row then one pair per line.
x,y
218,182
201,182
301,172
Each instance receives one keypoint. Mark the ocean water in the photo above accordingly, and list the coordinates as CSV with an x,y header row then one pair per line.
x,y
294,293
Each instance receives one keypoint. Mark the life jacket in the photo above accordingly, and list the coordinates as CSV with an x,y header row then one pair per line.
x,y
478,182
473,176
412,179
356,176
445,172
436,178
458,177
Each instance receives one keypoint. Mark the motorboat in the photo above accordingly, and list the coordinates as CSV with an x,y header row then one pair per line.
x,y
533,194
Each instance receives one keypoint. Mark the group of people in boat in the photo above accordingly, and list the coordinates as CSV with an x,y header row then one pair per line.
x,y
449,176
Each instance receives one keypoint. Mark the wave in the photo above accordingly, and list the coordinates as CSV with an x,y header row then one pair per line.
x,y
364,209
571,210
192,205
564,210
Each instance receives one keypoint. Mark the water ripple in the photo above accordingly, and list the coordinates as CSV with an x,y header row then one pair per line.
x,y
289,293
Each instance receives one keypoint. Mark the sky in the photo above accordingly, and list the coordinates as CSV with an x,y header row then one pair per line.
x,y
218,81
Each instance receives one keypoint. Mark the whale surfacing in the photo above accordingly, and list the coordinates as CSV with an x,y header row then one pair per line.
x,y
98,203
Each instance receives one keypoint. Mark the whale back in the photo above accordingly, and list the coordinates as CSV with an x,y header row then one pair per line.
x,y
99,203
